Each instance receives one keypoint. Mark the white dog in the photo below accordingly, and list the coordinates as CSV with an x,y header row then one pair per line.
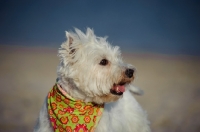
x,y
92,92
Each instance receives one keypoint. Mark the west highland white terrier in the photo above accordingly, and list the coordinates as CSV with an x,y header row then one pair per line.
x,y
93,91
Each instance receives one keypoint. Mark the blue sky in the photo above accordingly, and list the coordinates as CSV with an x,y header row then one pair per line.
x,y
163,26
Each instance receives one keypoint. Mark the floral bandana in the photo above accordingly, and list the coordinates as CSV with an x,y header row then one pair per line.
x,y
70,115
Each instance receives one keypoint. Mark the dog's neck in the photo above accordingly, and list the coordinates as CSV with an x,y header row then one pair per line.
x,y
70,87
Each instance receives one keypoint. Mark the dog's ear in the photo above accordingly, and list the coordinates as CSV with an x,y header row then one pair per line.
x,y
70,41
69,48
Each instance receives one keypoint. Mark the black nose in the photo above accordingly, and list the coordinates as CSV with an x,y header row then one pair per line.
x,y
129,72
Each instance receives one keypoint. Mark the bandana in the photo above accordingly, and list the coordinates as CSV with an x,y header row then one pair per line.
x,y
70,115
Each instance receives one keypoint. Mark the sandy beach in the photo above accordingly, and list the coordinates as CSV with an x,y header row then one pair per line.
x,y
171,84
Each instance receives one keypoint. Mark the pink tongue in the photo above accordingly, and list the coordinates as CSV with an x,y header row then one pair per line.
x,y
120,88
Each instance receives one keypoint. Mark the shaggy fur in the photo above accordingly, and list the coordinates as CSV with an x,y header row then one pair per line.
x,y
83,76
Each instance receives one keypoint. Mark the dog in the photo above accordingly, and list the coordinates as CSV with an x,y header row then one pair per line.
x,y
93,91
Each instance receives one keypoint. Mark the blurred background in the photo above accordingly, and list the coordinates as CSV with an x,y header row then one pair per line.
x,y
161,38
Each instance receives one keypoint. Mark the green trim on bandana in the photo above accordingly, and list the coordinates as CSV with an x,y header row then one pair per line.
x,y
70,115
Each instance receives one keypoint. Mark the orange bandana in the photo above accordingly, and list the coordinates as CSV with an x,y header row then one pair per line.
x,y
70,115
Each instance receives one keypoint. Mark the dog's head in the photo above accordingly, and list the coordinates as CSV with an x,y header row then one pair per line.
x,y
93,67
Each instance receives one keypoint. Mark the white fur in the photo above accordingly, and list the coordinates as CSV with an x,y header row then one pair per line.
x,y
124,115
81,75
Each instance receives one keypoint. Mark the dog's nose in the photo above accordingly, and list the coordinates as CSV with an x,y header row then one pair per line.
x,y
129,72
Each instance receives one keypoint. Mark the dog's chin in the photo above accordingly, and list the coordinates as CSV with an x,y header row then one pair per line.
x,y
106,98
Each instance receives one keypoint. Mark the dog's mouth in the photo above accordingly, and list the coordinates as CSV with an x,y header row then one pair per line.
x,y
118,89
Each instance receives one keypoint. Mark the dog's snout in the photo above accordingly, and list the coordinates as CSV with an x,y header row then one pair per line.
x,y
129,73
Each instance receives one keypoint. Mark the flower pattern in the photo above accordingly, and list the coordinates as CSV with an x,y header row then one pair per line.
x,y
60,112
54,106
67,101
94,119
70,115
75,119
60,128
50,112
81,128
87,119
64,120
58,98
68,129
91,111
77,105
69,110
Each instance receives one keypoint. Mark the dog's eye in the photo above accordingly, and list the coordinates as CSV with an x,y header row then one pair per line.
x,y
103,62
